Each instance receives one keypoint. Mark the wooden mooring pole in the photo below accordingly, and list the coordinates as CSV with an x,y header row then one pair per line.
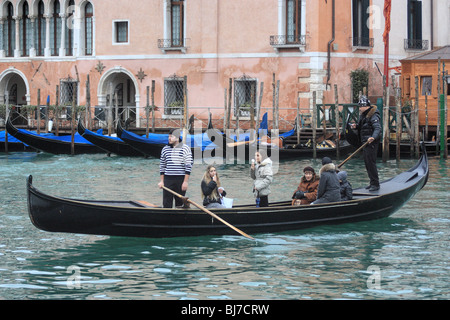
x,y
398,122
153,106
336,113
314,125
445,115
38,110
416,123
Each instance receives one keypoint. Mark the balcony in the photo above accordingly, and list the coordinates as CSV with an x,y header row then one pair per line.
x,y
415,44
287,42
172,45
360,43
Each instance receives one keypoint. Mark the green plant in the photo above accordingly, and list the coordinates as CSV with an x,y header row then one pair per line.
x,y
360,80
176,104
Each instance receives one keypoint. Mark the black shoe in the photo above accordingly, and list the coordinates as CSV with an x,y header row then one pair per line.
x,y
374,188
368,187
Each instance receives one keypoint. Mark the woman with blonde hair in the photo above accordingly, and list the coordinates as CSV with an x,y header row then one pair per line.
x,y
212,192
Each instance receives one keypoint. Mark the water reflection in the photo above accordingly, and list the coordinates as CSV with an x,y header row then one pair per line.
x,y
332,262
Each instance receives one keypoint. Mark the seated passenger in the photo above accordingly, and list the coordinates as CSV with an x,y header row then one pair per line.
x,y
212,192
329,188
346,187
307,189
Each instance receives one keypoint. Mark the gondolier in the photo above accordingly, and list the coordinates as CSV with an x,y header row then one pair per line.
x,y
175,168
369,130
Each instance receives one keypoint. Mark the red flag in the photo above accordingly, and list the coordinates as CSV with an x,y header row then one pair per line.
x,y
387,19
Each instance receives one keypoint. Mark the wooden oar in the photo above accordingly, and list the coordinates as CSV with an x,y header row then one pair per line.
x,y
185,199
351,156
239,143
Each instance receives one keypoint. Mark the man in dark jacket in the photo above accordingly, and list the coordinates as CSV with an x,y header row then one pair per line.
x,y
369,129
329,187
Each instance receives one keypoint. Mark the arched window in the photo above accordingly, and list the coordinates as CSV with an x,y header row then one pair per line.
x,y
55,30
40,30
25,31
69,28
88,28
9,32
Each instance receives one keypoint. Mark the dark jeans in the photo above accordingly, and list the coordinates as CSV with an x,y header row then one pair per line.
x,y
173,183
370,160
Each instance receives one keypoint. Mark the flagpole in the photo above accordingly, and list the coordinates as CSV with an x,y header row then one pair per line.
x,y
387,29
386,59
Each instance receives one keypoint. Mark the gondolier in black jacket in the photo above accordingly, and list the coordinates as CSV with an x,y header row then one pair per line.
x,y
175,168
369,129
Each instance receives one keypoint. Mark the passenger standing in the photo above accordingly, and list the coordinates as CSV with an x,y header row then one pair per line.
x,y
369,129
329,188
307,189
175,168
262,173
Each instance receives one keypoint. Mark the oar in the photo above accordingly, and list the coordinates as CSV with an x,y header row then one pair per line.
x,y
239,143
351,156
208,212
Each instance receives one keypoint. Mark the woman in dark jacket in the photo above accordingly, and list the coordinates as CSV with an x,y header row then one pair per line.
x,y
212,192
307,189
329,188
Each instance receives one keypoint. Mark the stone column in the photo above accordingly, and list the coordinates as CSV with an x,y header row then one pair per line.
x,y
17,23
62,49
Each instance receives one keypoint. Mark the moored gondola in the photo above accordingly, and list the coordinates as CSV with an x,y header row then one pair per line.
x,y
108,143
152,145
136,219
53,144
248,144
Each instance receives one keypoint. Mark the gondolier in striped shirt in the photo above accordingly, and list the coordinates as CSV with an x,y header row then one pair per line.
x,y
175,168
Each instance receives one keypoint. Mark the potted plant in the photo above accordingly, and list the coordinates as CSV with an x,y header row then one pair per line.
x,y
244,109
176,107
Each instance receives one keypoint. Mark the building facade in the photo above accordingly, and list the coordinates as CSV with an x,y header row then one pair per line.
x,y
188,50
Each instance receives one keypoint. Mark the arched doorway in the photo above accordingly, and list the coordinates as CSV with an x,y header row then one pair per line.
x,y
119,82
14,88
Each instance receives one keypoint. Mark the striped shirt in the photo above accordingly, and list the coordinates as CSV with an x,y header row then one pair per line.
x,y
176,161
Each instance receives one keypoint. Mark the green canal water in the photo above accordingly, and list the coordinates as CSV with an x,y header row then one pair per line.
x,y
404,256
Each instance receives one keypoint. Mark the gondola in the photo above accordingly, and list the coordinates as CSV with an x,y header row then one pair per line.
x,y
246,147
13,143
109,144
153,145
53,144
139,219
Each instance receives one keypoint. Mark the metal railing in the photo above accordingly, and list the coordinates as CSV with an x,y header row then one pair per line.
x,y
416,44
361,42
287,40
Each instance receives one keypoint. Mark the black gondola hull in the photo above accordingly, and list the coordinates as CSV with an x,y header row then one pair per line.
x,y
108,144
50,145
131,219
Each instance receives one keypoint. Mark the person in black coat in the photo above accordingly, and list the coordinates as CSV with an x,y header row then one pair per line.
x,y
329,188
346,187
369,129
